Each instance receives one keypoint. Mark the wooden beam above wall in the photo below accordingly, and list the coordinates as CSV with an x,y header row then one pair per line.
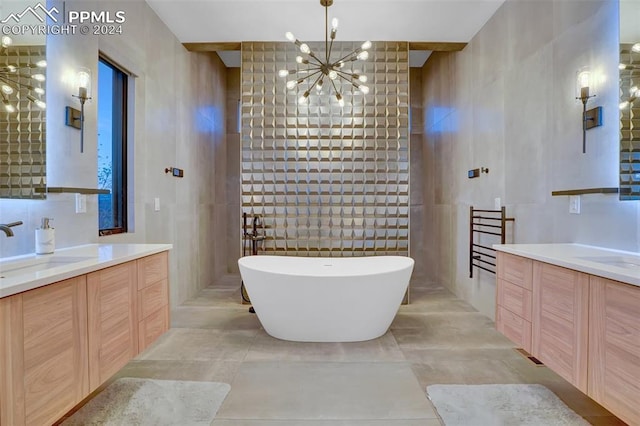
x,y
436,46
212,47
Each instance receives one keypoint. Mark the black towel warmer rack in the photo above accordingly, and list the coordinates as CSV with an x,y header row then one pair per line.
x,y
488,222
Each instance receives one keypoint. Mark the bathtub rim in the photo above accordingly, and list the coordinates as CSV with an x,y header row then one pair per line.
x,y
409,262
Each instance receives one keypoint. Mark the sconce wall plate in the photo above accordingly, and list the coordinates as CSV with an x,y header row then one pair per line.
x,y
593,117
72,117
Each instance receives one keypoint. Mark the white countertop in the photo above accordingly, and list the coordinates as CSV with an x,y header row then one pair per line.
x,y
27,272
617,265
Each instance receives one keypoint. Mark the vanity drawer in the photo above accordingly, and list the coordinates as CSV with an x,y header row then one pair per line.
x,y
515,269
152,269
516,328
515,299
153,327
152,298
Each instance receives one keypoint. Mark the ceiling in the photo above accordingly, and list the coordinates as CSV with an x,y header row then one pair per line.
x,y
268,20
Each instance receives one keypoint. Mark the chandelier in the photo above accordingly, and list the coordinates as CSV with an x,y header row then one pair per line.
x,y
319,69
18,80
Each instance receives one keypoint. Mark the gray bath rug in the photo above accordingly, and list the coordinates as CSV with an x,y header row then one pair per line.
x,y
501,405
143,402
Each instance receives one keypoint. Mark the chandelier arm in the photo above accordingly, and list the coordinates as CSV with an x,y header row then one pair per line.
x,y
335,89
317,60
347,80
349,73
17,83
314,83
352,54
326,32
301,80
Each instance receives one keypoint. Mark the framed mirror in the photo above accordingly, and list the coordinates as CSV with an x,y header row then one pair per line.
x,y
23,107
629,100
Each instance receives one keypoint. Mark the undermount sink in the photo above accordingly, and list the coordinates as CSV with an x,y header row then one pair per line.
x,y
14,268
619,261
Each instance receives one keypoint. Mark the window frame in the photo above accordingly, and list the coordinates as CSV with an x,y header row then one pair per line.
x,y
119,160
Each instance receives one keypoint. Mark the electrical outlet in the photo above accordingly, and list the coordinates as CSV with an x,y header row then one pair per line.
x,y
156,204
81,203
497,203
574,204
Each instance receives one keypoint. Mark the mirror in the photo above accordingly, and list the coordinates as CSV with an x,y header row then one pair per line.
x,y
23,108
629,100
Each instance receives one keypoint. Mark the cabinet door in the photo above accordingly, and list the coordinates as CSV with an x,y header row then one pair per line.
x,y
55,350
113,326
11,361
614,347
560,321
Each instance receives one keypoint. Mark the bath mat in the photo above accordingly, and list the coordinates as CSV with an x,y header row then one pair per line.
x,y
501,405
130,401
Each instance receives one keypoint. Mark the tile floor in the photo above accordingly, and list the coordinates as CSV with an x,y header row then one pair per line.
x,y
436,339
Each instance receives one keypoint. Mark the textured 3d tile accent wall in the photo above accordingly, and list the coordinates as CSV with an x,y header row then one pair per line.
x,y
629,126
22,133
329,181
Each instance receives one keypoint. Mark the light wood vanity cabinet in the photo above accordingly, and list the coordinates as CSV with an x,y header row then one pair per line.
x,y
584,327
560,321
113,325
43,357
614,347
61,341
514,299
153,309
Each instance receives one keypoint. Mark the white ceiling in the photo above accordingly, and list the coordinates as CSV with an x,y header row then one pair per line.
x,y
268,20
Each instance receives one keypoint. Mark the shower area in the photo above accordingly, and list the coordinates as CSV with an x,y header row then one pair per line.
x,y
324,180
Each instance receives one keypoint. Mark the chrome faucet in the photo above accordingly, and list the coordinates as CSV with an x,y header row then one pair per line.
x,y
7,227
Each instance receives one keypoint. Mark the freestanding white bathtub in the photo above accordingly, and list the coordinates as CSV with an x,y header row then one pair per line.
x,y
320,299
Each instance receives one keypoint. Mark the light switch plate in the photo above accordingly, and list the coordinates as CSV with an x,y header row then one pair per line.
x,y
81,203
574,204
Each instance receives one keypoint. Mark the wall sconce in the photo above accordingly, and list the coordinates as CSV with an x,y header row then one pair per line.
x,y
585,89
75,118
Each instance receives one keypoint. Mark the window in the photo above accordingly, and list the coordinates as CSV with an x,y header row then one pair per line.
x,y
112,148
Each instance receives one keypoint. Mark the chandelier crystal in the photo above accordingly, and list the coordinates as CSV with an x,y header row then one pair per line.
x,y
20,79
321,69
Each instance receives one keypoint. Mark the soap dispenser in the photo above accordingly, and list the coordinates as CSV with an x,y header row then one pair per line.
x,y
45,237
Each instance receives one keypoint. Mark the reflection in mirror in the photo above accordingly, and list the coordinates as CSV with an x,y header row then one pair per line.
x,y
22,112
629,100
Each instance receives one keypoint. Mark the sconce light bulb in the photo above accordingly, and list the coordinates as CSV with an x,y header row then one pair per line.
x,y
6,89
583,79
299,59
6,41
302,100
623,105
363,56
366,45
289,35
364,89
39,90
304,48
333,75
40,104
8,107
83,82
334,24
283,73
41,64
38,77
362,78
622,67
291,84
636,47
